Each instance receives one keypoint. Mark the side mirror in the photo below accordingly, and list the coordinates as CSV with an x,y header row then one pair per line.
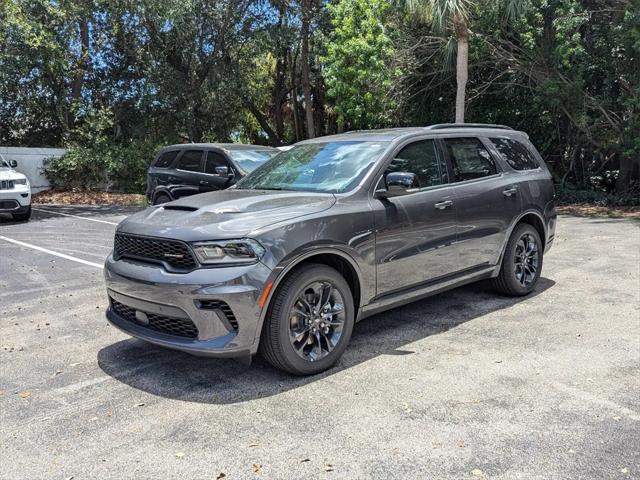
x,y
223,171
13,163
398,184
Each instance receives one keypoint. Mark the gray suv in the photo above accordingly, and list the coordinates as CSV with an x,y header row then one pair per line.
x,y
328,233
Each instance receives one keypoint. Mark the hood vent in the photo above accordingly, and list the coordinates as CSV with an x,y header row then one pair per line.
x,y
180,207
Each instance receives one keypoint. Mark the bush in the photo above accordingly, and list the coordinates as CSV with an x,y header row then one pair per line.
x,y
569,195
121,168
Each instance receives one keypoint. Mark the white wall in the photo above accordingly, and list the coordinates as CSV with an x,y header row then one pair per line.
x,y
30,163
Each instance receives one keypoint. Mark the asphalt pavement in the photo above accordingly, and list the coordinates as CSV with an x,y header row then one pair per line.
x,y
467,384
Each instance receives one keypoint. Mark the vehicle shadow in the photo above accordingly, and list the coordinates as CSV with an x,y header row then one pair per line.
x,y
181,376
42,210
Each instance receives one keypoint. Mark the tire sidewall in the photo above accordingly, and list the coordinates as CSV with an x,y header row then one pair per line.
x,y
317,273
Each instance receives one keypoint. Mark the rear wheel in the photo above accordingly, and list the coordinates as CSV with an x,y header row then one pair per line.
x,y
309,322
161,198
22,217
522,262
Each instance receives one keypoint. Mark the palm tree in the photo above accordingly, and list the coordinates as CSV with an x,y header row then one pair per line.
x,y
453,17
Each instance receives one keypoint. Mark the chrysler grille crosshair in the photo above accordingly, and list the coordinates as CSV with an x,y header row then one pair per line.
x,y
154,250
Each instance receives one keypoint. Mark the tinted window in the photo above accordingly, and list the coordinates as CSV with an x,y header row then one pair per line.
x,y
515,153
214,160
469,159
166,159
190,160
421,158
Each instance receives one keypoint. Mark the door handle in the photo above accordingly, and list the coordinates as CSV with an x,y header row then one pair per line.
x,y
510,191
443,205
203,183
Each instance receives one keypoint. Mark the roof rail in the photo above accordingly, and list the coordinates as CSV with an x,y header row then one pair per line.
x,y
441,126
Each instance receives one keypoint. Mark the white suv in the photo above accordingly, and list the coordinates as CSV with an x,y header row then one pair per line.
x,y
15,191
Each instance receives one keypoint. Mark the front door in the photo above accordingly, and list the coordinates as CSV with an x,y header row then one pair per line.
x,y
487,201
415,233
213,180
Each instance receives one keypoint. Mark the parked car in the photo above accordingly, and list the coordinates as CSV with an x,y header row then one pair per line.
x,y
187,169
15,191
328,233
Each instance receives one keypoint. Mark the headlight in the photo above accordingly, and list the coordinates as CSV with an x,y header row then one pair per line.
x,y
229,252
21,181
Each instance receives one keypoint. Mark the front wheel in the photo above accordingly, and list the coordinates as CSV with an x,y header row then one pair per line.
x,y
309,322
522,262
161,198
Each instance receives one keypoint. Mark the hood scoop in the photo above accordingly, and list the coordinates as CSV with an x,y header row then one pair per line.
x,y
185,208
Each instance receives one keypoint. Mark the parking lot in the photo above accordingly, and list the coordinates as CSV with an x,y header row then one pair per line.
x,y
467,384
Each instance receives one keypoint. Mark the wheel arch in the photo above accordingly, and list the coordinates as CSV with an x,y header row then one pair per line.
x,y
333,257
531,217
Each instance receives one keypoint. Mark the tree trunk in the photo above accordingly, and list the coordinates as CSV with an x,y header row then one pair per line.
x,y
304,60
83,62
462,66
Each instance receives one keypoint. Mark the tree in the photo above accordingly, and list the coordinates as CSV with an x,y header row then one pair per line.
x,y
454,17
306,7
358,65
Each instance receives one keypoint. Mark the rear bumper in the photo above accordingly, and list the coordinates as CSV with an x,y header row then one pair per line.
x,y
232,331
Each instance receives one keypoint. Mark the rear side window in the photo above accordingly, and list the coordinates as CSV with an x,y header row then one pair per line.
x,y
516,154
421,158
166,159
469,159
190,160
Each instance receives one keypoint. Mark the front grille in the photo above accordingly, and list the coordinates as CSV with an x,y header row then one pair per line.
x,y
222,307
172,252
6,185
180,327
8,205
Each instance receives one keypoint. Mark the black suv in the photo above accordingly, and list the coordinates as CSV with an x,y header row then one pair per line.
x,y
187,169
332,231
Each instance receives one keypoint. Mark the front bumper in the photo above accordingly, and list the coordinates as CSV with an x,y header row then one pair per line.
x,y
16,200
232,331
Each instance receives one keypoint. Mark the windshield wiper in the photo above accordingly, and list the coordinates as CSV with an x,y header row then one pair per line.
x,y
264,187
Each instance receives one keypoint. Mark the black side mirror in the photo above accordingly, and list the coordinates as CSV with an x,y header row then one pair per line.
x,y
13,163
223,171
398,184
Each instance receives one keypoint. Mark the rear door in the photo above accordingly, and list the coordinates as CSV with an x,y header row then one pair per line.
x,y
211,180
487,201
415,233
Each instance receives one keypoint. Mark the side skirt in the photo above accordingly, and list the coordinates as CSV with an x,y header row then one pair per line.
x,y
419,292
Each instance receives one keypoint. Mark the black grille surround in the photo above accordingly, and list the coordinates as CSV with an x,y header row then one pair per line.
x,y
173,253
179,327
222,307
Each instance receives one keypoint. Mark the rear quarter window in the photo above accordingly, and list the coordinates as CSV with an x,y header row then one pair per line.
x,y
516,154
166,159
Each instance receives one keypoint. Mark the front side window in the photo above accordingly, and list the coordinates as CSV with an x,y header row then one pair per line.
x,y
422,159
329,167
249,160
515,153
469,159
190,160
166,159
214,160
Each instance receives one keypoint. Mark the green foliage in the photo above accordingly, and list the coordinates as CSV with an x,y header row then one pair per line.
x,y
94,160
358,65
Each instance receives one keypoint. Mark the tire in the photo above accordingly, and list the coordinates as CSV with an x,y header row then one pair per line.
x,y
517,277
161,198
22,217
278,345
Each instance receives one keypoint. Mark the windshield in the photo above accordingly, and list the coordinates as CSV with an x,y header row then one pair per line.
x,y
330,167
249,160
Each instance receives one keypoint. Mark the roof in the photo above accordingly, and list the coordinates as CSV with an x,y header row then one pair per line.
x,y
225,146
389,134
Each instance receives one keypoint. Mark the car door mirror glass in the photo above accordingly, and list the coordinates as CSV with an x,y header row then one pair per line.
x,y
222,171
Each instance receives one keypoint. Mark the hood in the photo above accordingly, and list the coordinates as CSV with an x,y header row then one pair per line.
x,y
224,214
10,174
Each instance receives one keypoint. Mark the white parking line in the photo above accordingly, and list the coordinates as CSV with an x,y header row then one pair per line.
x,y
51,252
74,216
